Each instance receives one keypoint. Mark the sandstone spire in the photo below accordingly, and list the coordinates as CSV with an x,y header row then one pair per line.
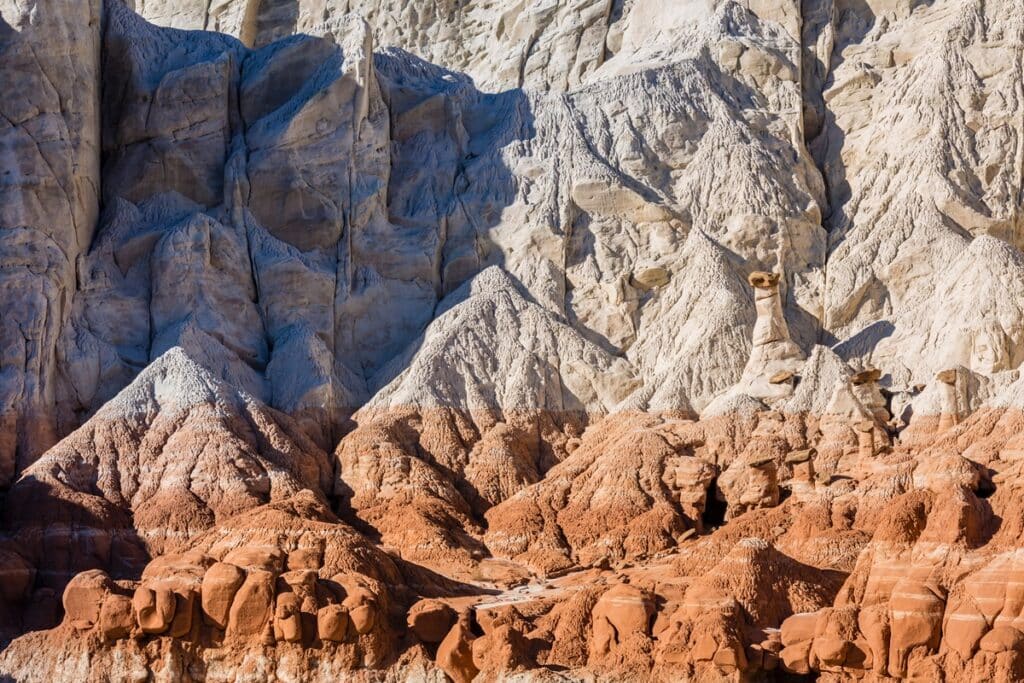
x,y
949,414
868,392
774,356
801,464
865,438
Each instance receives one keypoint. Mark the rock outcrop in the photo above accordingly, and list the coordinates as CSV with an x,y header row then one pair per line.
x,y
492,340
49,201
173,454
481,406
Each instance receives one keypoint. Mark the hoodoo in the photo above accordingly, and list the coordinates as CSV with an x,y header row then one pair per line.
x,y
949,414
774,356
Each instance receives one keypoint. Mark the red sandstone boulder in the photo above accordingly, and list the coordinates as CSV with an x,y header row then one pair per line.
x,y
455,653
431,620
84,596
116,618
220,584
154,608
332,623
252,608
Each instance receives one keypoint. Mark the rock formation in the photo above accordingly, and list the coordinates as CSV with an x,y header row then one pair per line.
x,y
774,357
49,201
169,457
493,340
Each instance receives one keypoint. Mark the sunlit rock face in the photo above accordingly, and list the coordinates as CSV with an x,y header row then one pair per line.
x,y
407,340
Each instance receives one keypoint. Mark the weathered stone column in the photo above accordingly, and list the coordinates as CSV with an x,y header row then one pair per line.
x,y
774,357
757,486
49,201
771,323
865,438
949,414
802,464
688,478
868,392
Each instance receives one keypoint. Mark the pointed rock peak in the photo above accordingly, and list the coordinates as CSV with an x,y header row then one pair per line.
x,y
819,377
492,279
490,347
732,404
751,550
210,354
174,381
488,282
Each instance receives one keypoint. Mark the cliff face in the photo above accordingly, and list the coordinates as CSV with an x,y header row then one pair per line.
x,y
643,304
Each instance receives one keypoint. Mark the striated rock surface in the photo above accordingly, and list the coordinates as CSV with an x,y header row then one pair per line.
x,y
173,454
49,201
491,340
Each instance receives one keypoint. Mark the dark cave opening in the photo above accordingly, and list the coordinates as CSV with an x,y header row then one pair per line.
x,y
714,509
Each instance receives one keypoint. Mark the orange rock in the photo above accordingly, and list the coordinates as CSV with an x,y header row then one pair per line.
x,y
873,622
306,558
154,608
705,648
1002,639
220,583
503,650
915,618
251,609
455,653
730,658
795,658
831,651
268,558
288,618
620,611
184,610
362,610
430,620
963,627
84,597
798,628
116,618
18,577
301,581
332,623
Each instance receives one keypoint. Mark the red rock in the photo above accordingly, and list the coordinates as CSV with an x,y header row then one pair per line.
x,y
799,628
455,653
16,577
795,658
267,558
185,603
332,623
220,584
622,610
1002,639
84,596
915,618
288,618
116,618
431,620
362,610
252,608
832,651
154,608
